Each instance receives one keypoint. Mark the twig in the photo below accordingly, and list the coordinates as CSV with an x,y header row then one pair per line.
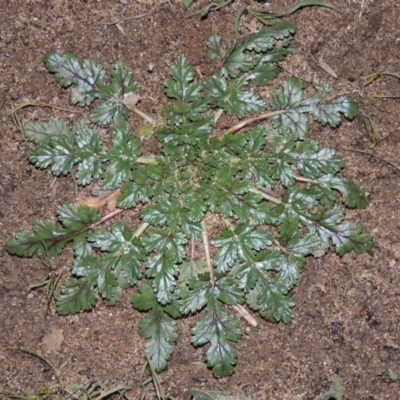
x,y
361,9
207,251
373,155
266,194
375,75
384,96
305,180
125,19
33,104
32,353
242,124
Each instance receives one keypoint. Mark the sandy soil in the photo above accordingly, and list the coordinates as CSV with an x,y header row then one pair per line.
x,y
347,315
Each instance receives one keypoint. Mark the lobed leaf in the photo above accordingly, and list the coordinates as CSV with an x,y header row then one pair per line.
x,y
68,71
77,295
231,98
244,56
218,328
48,239
352,195
162,331
239,244
43,132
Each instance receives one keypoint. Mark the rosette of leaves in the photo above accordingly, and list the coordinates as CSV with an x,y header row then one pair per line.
x,y
274,195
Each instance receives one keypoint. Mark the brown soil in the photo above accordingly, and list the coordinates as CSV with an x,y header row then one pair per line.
x,y
347,315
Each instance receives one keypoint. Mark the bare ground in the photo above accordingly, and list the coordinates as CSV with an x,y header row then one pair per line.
x,y
347,315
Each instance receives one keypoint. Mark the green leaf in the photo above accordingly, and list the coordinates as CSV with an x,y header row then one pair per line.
x,y
160,240
89,151
226,193
215,47
68,71
301,246
218,328
146,298
163,271
239,58
289,100
122,87
311,161
278,307
77,294
48,239
264,17
195,297
295,211
43,132
127,251
239,245
122,84
346,236
136,190
162,331
43,240
187,3
227,291
121,157
180,87
350,236
83,147
76,219
330,113
352,195
191,102
190,269
106,281
231,98
173,214
157,325
60,154
262,74
215,395
254,271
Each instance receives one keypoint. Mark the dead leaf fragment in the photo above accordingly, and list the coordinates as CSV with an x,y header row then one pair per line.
x,y
120,29
104,198
390,342
53,341
131,101
245,314
327,68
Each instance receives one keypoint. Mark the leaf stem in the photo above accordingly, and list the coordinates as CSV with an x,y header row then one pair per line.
x,y
242,124
105,218
144,116
141,229
218,114
266,194
228,224
147,160
305,180
207,251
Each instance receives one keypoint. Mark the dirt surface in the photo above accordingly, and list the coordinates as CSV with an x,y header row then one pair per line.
x,y
347,315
